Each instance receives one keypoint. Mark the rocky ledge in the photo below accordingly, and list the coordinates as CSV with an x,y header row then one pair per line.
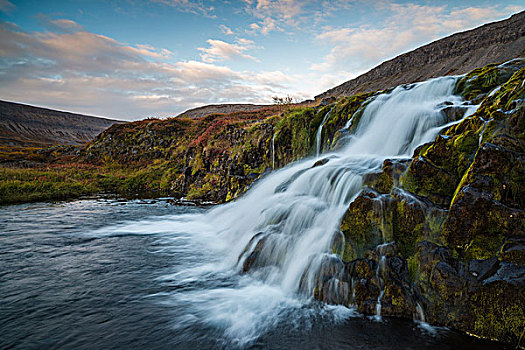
x,y
453,221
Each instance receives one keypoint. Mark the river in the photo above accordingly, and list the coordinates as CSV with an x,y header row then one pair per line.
x,y
133,274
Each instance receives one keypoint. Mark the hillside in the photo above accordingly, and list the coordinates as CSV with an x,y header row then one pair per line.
x,y
24,125
220,108
454,55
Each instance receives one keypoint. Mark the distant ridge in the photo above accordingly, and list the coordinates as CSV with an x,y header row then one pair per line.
x,y
221,108
456,54
24,125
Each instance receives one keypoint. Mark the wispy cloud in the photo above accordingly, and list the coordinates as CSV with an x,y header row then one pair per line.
x,y
6,6
96,74
272,15
221,51
408,26
225,30
197,7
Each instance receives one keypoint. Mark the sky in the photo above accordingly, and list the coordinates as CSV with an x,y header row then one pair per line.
x,y
133,59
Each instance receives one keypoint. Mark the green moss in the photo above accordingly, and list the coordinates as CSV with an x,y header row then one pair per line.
x,y
481,81
413,267
294,135
484,247
498,313
362,227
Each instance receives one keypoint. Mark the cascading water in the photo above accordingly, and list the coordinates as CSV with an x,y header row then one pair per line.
x,y
273,151
319,134
296,211
282,230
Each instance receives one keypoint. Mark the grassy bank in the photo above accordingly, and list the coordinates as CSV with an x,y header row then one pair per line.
x,y
59,182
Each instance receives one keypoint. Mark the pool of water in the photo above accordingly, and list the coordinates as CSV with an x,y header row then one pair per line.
x,y
135,274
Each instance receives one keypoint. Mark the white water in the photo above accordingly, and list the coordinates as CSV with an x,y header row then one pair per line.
x,y
273,151
485,123
319,134
296,211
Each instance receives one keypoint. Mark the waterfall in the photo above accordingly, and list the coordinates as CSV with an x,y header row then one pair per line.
x,y
287,221
485,123
318,136
279,235
273,151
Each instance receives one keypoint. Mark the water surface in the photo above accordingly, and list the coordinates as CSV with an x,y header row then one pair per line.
x,y
105,273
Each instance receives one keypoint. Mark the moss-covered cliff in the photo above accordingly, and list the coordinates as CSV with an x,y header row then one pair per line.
x,y
217,157
454,217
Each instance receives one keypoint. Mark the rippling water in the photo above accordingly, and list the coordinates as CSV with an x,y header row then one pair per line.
x,y
106,273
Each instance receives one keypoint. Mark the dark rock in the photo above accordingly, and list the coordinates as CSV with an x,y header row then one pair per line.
x,y
454,113
253,255
513,250
320,162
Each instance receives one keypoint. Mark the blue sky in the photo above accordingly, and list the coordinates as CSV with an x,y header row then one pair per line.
x,y
131,59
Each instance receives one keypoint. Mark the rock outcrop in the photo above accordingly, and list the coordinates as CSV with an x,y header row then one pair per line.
x,y
453,219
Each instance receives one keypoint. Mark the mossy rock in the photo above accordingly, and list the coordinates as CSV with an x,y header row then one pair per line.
x,y
363,225
482,80
484,211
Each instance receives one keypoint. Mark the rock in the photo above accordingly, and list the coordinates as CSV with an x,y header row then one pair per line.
x,y
454,113
362,225
481,236
320,162
389,177
513,251
476,84
482,269
327,101
253,255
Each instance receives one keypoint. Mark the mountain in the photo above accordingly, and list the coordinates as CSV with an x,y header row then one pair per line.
x,y
24,125
454,55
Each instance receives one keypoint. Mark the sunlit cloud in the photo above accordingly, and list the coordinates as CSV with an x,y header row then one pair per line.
x,y
221,51
407,27
96,74
191,6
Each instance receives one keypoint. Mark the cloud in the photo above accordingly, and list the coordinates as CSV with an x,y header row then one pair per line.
x,y
94,74
190,6
6,6
66,24
285,9
225,30
273,15
408,26
220,50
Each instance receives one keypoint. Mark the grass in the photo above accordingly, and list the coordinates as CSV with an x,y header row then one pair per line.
x,y
70,181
